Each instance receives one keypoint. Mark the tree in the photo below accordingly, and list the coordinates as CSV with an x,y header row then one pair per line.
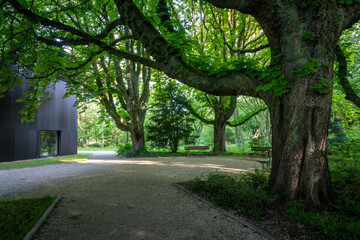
x,y
296,86
171,121
222,108
122,88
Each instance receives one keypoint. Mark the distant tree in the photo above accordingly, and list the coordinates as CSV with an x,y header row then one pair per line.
x,y
171,121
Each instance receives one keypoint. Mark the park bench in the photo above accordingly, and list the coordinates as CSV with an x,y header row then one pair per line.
x,y
266,161
204,147
260,151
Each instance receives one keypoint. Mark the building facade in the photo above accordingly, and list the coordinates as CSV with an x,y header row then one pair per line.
x,y
53,131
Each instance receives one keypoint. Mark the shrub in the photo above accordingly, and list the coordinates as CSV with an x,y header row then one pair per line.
x,y
248,194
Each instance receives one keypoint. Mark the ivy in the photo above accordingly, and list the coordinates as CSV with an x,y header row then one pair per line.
x,y
347,2
274,78
308,68
309,35
323,86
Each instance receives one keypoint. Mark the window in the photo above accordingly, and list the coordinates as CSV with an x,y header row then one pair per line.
x,y
49,143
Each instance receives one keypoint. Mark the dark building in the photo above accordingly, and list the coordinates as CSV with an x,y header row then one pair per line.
x,y
53,131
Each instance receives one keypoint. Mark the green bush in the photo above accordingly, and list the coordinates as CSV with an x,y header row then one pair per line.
x,y
332,224
260,141
248,194
345,171
127,151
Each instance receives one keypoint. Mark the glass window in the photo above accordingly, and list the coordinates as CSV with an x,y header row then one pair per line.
x,y
49,143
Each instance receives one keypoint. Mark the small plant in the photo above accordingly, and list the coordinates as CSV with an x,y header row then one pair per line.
x,y
295,210
126,150
309,35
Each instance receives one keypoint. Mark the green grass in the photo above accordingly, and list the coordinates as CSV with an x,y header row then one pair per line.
x,y
110,148
17,217
45,161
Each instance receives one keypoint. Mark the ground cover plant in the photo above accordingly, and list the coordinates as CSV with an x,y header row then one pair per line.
x,y
17,217
249,195
45,161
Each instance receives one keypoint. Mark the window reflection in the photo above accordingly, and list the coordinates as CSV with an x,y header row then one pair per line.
x,y
49,143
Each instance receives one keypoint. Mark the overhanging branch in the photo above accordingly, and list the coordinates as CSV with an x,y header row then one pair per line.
x,y
247,117
343,77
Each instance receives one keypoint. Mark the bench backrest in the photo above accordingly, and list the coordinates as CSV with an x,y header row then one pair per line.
x,y
197,147
260,149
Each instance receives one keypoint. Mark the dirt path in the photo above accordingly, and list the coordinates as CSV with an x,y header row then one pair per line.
x,y
116,198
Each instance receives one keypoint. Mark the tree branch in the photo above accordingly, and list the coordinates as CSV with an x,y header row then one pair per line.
x,y
343,77
246,118
244,6
351,13
234,83
249,50
229,111
206,121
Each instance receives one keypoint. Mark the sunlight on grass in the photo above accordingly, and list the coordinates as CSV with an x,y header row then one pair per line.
x,y
45,161
17,217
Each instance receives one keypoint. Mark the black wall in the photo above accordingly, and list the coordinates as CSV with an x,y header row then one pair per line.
x,y
22,140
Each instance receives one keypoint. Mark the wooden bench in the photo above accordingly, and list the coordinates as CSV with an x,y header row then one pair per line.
x,y
260,151
266,161
204,147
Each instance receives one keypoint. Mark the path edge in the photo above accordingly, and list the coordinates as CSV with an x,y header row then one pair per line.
x,y
229,214
37,225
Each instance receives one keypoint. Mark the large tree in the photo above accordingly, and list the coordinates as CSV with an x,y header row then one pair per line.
x,y
220,108
296,86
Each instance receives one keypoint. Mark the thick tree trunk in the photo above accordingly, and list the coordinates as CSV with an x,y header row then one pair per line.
x,y
219,134
300,164
138,140
137,130
300,117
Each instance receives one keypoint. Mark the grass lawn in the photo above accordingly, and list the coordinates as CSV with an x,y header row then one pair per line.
x,y
17,217
111,148
45,161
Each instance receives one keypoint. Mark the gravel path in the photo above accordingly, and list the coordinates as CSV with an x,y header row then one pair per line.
x,y
108,197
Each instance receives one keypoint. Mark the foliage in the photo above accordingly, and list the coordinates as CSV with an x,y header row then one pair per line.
x,y
126,150
322,86
274,79
259,142
308,68
170,122
345,171
339,219
334,223
248,193
17,217
95,126
45,161
309,35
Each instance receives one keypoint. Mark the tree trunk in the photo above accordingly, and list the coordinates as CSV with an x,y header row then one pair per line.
x,y
137,131
138,140
219,133
300,117
237,131
102,135
300,164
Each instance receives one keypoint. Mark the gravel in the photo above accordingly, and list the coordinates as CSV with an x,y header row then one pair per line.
x,y
108,197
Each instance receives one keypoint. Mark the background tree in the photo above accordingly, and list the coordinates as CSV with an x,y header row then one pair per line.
x,y
171,122
221,109
95,126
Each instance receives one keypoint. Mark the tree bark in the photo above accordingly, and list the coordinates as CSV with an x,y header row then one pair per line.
x,y
300,117
219,133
